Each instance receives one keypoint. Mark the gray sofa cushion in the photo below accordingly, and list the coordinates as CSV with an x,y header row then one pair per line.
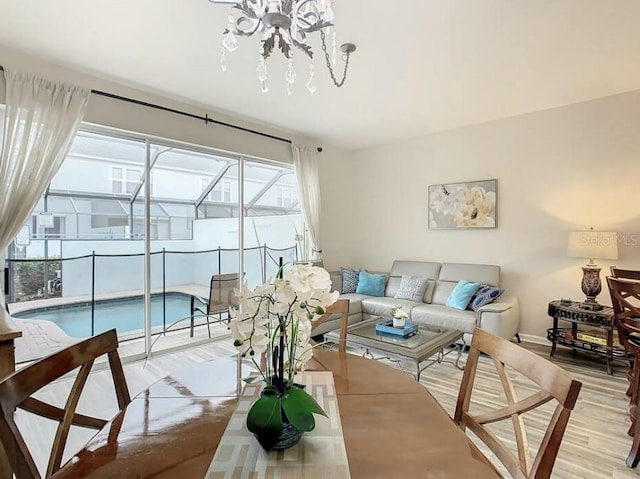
x,y
355,302
382,306
393,283
334,322
442,290
425,269
476,273
445,317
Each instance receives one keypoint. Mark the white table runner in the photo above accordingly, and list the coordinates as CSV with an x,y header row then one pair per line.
x,y
320,453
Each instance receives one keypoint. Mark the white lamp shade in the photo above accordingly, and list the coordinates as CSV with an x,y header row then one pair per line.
x,y
593,245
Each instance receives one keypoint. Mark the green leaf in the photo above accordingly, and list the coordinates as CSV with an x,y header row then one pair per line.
x,y
265,416
299,408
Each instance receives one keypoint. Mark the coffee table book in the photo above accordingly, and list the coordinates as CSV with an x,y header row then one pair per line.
x,y
387,328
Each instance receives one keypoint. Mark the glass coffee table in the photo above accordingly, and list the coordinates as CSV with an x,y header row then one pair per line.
x,y
419,347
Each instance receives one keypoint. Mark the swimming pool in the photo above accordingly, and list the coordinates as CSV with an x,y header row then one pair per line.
x,y
125,314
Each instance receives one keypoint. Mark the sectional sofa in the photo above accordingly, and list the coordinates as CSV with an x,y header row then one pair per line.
x,y
501,317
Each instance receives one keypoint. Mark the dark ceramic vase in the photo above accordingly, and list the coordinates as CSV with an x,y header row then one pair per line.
x,y
289,436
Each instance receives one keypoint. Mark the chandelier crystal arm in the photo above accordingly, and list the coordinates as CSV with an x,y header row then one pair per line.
x,y
347,49
284,25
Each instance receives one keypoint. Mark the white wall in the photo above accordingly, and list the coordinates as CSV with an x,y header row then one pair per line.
x,y
560,170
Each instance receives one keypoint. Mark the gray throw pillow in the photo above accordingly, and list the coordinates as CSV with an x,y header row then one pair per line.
x,y
411,288
349,280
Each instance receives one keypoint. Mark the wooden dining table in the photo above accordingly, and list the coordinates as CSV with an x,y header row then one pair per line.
x,y
392,426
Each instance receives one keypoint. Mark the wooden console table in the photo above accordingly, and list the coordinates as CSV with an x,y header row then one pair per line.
x,y
571,312
8,333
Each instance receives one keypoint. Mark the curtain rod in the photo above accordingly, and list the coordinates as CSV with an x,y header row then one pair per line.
x,y
204,118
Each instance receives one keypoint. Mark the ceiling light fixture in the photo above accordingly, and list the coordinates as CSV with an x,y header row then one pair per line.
x,y
285,24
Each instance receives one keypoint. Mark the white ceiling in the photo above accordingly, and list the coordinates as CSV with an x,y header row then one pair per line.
x,y
421,65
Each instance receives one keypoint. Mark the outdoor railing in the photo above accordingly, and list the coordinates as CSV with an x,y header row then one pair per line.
x,y
89,280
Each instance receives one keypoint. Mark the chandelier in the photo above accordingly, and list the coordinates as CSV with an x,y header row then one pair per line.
x,y
284,25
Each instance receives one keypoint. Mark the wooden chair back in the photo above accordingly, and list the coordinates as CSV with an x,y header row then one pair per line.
x,y
16,392
340,306
221,292
625,299
554,383
633,274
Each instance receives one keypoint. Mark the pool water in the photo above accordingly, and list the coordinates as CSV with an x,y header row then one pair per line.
x,y
123,314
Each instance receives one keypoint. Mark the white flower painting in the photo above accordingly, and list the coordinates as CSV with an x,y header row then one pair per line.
x,y
463,205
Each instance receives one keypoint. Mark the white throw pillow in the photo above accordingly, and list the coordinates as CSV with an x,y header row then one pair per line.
x,y
411,288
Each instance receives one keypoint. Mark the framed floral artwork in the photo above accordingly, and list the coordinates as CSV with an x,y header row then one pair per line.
x,y
463,205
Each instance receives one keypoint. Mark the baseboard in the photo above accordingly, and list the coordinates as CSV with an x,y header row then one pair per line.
x,y
531,338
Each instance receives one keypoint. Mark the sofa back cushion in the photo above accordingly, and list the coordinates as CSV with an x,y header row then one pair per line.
x,y
442,290
424,269
476,273
451,273
336,280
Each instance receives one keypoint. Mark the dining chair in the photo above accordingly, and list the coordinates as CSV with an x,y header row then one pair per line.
x,y
16,392
633,274
620,287
221,298
340,306
553,383
625,299
630,274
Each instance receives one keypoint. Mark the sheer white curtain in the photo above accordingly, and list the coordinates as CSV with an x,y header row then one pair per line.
x,y
41,120
305,162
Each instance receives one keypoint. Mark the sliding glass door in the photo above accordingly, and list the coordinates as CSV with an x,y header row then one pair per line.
x,y
150,237
272,219
194,246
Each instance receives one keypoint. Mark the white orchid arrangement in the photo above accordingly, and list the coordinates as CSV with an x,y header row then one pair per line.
x,y
275,318
399,313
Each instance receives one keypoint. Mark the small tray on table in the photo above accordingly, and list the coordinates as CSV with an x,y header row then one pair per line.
x,y
386,327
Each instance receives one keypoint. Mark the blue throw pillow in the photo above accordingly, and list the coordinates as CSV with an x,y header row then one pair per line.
x,y
485,295
371,284
461,294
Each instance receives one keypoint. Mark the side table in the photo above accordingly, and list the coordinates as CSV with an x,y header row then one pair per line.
x,y
571,312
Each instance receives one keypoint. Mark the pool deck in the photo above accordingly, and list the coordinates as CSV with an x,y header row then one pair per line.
x,y
41,338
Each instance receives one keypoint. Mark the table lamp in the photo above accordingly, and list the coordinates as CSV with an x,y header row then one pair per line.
x,y
592,245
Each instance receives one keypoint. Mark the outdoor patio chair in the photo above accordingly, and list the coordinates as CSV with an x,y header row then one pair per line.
x,y
553,383
16,392
221,297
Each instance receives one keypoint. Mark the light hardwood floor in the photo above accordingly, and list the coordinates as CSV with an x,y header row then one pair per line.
x,y
594,446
